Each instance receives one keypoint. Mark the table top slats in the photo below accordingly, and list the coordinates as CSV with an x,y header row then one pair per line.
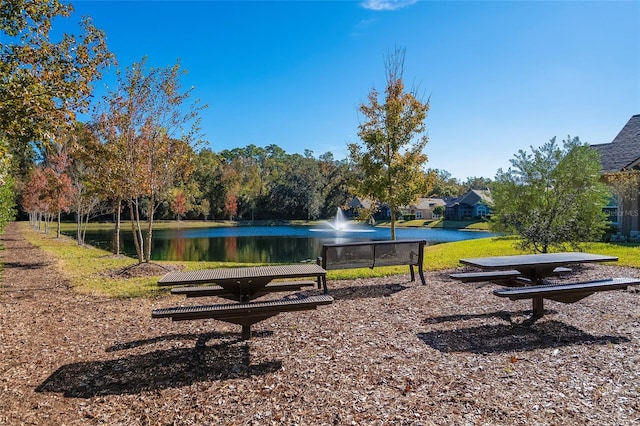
x,y
524,260
226,274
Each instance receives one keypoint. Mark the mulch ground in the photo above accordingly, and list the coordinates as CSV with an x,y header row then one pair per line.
x,y
387,352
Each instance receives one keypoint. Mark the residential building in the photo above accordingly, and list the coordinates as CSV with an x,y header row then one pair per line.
x,y
623,155
380,211
472,205
423,208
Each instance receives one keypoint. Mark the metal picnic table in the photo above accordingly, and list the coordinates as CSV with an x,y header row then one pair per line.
x,y
243,285
537,267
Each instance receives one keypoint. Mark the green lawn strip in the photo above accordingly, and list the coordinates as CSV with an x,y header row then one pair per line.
x,y
628,254
87,267
447,255
473,225
161,224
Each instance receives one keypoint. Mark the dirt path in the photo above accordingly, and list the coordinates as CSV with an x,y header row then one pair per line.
x,y
44,326
32,290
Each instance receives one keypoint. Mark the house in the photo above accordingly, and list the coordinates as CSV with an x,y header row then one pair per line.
x,y
423,208
474,204
380,211
623,155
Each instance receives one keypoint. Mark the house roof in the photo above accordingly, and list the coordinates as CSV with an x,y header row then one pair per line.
x,y
624,151
428,203
358,203
473,196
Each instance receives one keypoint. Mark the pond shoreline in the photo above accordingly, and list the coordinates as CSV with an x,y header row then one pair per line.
x,y
181,224
292,243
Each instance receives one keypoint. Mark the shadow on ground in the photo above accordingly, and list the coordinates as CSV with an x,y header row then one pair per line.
x,y
365,291
504,315
156,370
26,265
513,338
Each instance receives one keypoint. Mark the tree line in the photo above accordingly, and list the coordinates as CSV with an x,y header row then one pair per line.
x,y
92,179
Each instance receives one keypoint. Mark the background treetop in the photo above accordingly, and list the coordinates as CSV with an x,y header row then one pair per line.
x,y
391,157
45,82
552,197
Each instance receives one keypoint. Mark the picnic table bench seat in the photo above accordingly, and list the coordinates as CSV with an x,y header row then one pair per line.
x,y
244,314
216,290
566,293
498,275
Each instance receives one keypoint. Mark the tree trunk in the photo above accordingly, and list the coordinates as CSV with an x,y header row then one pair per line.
x,y
58,224
116,249
150,228
79,236
136,231
393,223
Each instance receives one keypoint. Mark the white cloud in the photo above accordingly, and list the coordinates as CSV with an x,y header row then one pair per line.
x,y
387,4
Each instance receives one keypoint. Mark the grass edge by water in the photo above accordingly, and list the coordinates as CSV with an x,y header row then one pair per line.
x,y
88,268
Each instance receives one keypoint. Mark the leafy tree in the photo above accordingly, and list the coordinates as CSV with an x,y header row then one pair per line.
x,y
298,191
45,82
30,200
439,211
242,176
552,197
208,177
59,191
103,156
7,204
179,204
84,171
48,192
444,185
393,136
141,123
231,205
476,183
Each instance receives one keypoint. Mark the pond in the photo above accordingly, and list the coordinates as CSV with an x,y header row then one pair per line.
x,y
269,244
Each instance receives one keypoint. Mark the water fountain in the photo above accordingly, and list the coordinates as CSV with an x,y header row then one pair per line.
x,y
341,225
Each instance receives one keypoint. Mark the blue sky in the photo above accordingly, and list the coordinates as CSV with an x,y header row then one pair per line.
x,y
501,76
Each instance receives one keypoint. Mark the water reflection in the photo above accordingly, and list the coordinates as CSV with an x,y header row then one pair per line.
x,y
269,244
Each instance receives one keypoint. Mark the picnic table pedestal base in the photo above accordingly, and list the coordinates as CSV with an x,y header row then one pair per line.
x,y
538,308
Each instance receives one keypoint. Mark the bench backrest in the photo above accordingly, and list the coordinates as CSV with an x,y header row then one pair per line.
x,y
372,253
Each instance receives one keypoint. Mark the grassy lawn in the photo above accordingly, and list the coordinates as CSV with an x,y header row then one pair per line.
x,y
161,224
473,225
88,268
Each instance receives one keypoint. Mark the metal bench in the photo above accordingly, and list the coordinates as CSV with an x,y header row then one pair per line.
x,y
244,314
566,293
369,254
499,275
216,290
